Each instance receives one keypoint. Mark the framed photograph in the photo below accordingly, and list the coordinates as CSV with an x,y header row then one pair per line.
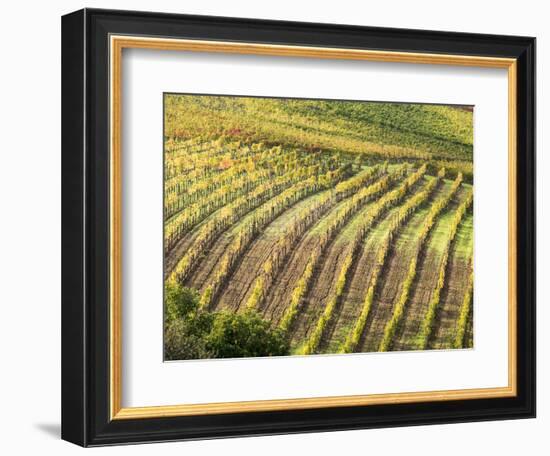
x,y
278,227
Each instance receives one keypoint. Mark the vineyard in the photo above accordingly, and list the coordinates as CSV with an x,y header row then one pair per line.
x,y
306,227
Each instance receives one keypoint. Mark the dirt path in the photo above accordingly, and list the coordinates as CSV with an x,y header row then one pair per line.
x,y
177,251
394,274
426,277
469,336
279,296
241,283
325,278
453,292
175,254
204,272
352,300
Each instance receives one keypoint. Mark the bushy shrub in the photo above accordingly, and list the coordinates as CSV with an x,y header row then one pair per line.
x,y
237,335
192,332
184,340
179,301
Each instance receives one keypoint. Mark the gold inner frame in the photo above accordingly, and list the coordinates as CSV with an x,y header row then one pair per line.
x,y
117,44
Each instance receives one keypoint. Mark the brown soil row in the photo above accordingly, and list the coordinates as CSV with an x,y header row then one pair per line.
x,y
279,295
452,296
205,270
174,255
324,282
451,300
241,284
177,252
351,302
392,278
469,336
424,285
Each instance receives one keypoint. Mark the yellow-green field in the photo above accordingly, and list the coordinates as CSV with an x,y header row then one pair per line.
x,y
307,226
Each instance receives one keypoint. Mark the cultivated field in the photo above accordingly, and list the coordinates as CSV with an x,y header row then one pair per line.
x,y
335,227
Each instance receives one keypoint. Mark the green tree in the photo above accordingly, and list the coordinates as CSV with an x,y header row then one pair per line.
x,y
179,301
183,339
245,335
191,332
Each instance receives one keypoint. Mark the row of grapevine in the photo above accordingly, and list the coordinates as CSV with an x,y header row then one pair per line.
x,y
453,167
399,307
359,235
209,156
240,203
173,147
341,218
402,216
261,217
427,322
315,338
245,161
361,179
180,183
235,177
300,225
290,184
221,158
465,311
283,246
224,188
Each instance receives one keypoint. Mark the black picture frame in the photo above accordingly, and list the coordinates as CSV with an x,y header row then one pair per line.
x,y
85,228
